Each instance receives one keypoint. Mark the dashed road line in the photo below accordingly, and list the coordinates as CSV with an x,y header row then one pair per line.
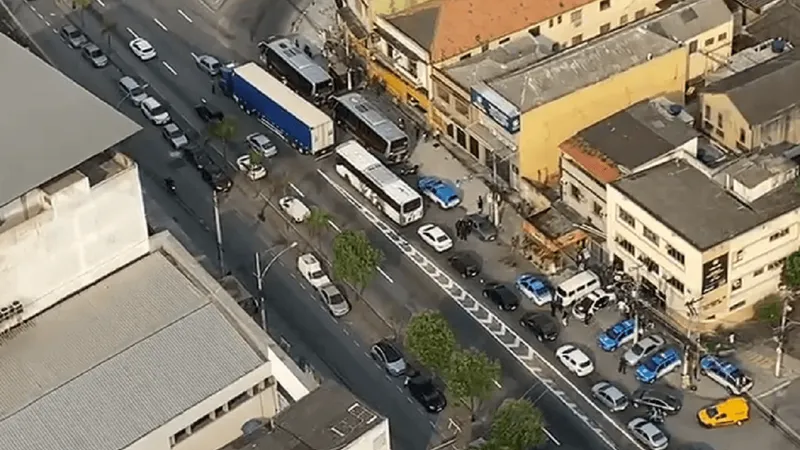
x,y
334,226
550,435
131,32
183,14
46,22
100,2
158,22
169,67
497,383
297,190
519,349
385,275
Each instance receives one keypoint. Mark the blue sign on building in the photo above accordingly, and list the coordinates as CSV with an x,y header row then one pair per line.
x,y
495,106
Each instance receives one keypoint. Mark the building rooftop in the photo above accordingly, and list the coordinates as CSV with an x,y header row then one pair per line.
x,y
690,20
750,57
122,357
780,20
328,417
763,91
51,124
699,209
447,28
383,7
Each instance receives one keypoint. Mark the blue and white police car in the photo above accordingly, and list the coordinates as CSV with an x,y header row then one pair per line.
x,y
618,335
726,374
658,365
439,191
534,288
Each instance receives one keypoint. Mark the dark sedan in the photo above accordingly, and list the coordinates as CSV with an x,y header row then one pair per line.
x,y
465,264
543,326
501,296
482,226
424,391
208,113
658,399
216,178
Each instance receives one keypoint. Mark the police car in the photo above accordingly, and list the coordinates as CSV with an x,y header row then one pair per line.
x,y
439,191
534,288
618,335
726,374
658,365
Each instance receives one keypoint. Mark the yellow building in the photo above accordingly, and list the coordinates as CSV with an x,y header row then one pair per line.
x,y
708,243
757,107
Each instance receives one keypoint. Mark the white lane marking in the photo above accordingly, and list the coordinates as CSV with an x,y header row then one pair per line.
x,y
46,22
40,16
385,275
773,390
550,435
55,31
497,383
100,2
169,67
33,8
183,14
334,226
194,56
158,22
135,36
296,189
519,349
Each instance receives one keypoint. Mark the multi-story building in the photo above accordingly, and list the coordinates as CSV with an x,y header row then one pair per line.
x,y
642,136
328,418
755,108
359,15
709,243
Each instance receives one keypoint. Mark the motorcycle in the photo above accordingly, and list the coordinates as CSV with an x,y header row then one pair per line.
x,y
655,416
169,183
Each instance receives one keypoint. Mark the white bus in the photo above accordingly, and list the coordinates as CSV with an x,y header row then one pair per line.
x,y
378,184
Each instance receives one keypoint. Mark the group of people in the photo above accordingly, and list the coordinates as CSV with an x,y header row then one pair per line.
x,y
556,309
463,228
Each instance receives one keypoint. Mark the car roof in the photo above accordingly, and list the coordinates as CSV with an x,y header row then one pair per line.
x,y
667,355
654,338
171,127
711,362
612,390
91,46
622,327
388,347
653,393
435,229
151,101
330,289
140,42
70,28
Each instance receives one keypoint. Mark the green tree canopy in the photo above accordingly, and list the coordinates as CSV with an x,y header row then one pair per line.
x,y
431,341
471,377
355,259
224,130
791,271
517,425
770,309
318,221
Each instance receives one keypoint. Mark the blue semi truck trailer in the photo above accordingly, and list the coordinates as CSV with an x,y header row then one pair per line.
x,y
300,123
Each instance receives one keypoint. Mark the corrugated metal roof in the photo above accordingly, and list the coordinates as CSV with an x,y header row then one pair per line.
x,y
114,362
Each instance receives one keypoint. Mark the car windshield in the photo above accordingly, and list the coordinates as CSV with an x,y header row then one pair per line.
x,y
214,65
712,412
73,34
651,365
316,274
584,364
441,238
637,349
174,133
95,52
658,437
158,110
337,299
135,92
391,353
452,198
540,289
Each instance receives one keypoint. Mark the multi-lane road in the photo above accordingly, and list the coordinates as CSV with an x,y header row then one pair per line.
x,y
177,30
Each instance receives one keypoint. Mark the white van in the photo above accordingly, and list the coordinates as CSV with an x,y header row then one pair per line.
x,y
577,287
311,269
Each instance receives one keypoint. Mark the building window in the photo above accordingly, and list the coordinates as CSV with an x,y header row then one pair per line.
x,y
623,19
558,20
442,93
692,47
651,265
575,17
461,138
722,37
464,57
597,209
550,23
200,423
535,31
577,39
605,4
575,193
180,436
462,107
504,40
605,28
720,133
719,120
625,217
736,285
738,256
474,148
676,284
775,265
676,255
412,68
707,111
650,235
390,52
627,246
709,41
485,47
742,135
238,400
779,235
758,272
640,14
737,305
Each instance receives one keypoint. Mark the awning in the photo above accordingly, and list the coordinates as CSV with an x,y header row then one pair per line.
x,y
500,150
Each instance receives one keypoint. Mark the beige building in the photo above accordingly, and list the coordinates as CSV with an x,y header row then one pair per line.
x,y
709,243
756,108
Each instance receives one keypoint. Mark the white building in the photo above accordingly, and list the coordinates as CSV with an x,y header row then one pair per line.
x,y
709,243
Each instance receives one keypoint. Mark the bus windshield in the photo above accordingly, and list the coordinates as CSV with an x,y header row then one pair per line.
x,y
400,144
412,205
324,89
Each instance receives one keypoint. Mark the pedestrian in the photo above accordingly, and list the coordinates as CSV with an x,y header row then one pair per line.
x,y
565,318
480,204
459,229
458,183
623,366
213,87
587,319
553,308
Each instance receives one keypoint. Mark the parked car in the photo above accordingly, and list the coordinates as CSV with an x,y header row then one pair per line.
x,y
727,374
197,158
643,349
656,399
94,55
465,264
648,434
154,111
73,36
294,208
439,191
592,303
261,144
333,299
311,269
610,396
618,335
253,171
208,113
543,326
208,64
731,411
658,365
389,357
502,296
575,360
142,49
216,178
534,288
482,226
434,236
175,136
424,391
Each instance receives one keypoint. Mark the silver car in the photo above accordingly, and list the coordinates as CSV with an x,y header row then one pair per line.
x,y
94,55
643,349
334,300
648,434
610,396
208,64
174,135
389,357
262,145
73,36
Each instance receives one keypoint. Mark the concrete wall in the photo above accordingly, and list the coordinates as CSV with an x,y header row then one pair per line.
x,y
714,47
591,194
80,234
546,127
734,132
375,439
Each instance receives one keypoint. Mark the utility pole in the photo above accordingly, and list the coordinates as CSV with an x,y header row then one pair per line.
x,y
259,273
218,229
787,309
686,380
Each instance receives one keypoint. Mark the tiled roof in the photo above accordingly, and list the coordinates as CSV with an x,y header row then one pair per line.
x,y
591,160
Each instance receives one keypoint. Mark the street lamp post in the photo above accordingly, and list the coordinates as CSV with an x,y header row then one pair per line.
x,y
262,308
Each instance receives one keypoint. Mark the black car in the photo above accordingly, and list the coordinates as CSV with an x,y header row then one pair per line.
x,y
197,158
405,168
465,264
501,296
209,113
216,178
482,226
655,398
424,391
543,326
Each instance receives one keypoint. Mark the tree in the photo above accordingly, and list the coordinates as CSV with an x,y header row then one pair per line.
x,y
470,377
81,6
431,341
769,310
318,221
109,27
224,130
791,271
517,425
355,259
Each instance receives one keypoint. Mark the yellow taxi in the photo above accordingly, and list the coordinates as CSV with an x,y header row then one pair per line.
x,y
734,410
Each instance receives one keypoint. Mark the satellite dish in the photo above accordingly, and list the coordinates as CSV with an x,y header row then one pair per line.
x,y
251,426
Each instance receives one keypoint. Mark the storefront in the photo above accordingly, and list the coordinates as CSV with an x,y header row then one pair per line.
x,y
399,88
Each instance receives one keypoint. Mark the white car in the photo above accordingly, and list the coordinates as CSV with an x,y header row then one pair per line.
x,y
142,49
311,269
334,300
294,208
648,434
154,111
575,360
261,144
253,171
435,237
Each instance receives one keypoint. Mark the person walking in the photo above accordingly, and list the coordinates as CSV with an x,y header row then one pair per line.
x,y
623,365
565,318
480,204
587,319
